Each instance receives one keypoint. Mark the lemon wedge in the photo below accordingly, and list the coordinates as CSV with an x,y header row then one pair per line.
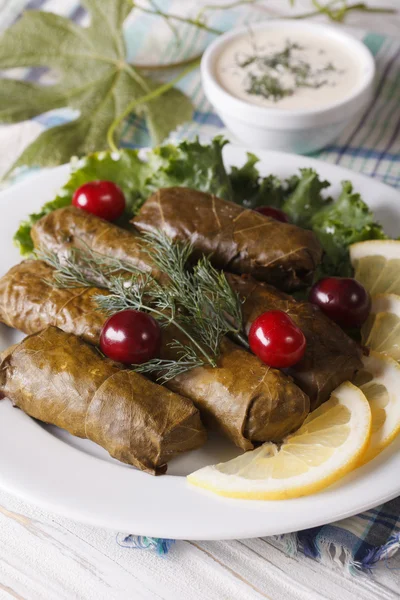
x,y
327,446
381,331
379,381
377,265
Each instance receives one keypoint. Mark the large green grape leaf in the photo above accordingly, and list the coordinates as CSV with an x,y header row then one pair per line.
x,y
93,78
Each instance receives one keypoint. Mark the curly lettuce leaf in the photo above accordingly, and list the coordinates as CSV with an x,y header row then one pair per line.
x,y
245,180
189,164
272,192
305,199
251,190
337,226
299,196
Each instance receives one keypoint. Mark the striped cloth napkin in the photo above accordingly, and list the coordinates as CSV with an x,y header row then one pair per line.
x,y
372,147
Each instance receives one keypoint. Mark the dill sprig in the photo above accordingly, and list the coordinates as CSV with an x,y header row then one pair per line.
x,y
210,306
197,301
83,267
187,359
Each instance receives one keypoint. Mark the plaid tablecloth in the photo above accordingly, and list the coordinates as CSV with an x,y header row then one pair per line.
x,y
372,147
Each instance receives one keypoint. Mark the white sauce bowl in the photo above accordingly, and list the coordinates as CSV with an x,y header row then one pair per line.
x,y
301,131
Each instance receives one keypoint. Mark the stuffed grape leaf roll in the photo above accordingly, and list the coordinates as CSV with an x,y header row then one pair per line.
x,y
29,302
331,357
57,378
69,227
236,239
242,397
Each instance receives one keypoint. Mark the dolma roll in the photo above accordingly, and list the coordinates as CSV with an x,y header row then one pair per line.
x,y
69,227
242,397
236,239
331,357
57,378
29,302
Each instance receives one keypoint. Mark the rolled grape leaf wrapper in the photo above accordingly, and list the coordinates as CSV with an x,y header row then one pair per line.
x,y
71,227
57,378
246,400
331,356
29,302
236,239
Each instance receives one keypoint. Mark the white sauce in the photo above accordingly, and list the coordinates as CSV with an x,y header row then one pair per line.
x,y
328,69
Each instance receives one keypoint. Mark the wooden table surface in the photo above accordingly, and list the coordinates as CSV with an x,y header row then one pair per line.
x,y
46,557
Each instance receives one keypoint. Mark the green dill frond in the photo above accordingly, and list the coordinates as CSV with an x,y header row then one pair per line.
x,y
198,301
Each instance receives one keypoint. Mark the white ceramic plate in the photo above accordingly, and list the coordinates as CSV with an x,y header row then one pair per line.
x,y
77,479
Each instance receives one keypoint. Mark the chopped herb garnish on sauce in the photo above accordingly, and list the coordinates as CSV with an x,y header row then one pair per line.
x,y
275,74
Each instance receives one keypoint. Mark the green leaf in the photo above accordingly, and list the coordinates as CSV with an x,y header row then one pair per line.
x,y
305,199
245,180
345,222
271,192
250,190
188,164
166,113
191,164
22,100
93,77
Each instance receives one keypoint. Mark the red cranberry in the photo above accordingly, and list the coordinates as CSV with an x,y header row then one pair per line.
x,y
342,299
101,198
276,340
131,337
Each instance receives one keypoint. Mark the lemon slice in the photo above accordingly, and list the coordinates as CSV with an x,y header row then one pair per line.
x,y
381,331
379,381
377,265
328,445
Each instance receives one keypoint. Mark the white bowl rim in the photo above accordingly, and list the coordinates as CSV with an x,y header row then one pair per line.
x,y
237,105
